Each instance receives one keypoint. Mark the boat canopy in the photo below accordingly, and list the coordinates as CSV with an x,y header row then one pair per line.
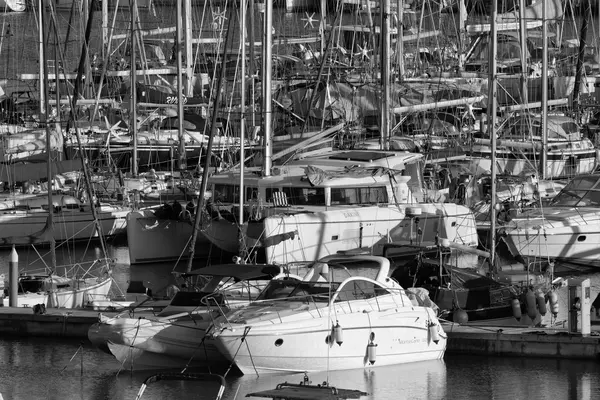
x,y
240,271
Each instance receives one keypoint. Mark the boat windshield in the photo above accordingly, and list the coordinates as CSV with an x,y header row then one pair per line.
x,y
580,192
298,290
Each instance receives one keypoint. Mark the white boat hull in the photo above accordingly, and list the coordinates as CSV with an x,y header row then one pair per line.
x,y
322,233
135,359
140,344
570,235
401,337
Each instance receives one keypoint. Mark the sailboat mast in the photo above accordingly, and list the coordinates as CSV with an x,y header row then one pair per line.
x,y
243,107
399,41
266,88
492,117
544,155
523,43
189,58
44,78
181,148
42,56
133,98
385,73
105,50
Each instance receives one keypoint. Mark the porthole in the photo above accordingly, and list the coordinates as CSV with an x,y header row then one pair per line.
x,y
278,342
581,238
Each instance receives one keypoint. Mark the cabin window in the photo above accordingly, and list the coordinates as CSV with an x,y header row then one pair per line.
x,y
359,289
297,291
251,193
225,193
298,196
364,195
230,193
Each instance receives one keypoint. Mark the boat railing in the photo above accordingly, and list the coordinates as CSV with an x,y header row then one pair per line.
x,y
207,300
81,269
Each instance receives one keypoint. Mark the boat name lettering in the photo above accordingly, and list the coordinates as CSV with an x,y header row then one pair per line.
x,y
173,100
411,341
350,214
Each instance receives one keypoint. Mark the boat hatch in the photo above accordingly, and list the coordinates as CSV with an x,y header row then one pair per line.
x,y
364,156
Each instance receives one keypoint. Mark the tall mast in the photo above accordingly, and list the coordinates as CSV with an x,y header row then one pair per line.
x,y
243,107
181,148
399,42
133,99
523,43
44,78
385,73
266,88
462,18
492,117
42,56
544,156
189,58
105,30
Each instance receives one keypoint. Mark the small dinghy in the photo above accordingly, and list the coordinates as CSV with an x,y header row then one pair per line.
x,y
305,391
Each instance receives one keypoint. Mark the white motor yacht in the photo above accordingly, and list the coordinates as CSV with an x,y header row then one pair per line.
x,y
346,313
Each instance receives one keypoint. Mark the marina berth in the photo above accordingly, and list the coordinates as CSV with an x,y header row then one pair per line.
x,y
346,313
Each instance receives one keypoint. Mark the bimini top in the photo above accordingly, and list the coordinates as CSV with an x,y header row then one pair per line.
x,y
240,271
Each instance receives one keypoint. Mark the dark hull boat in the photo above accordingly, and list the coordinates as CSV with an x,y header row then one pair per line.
x,y
462,294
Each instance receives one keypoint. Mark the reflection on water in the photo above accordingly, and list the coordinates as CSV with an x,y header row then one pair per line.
x,y
522,378
43,368
409,381
36,368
